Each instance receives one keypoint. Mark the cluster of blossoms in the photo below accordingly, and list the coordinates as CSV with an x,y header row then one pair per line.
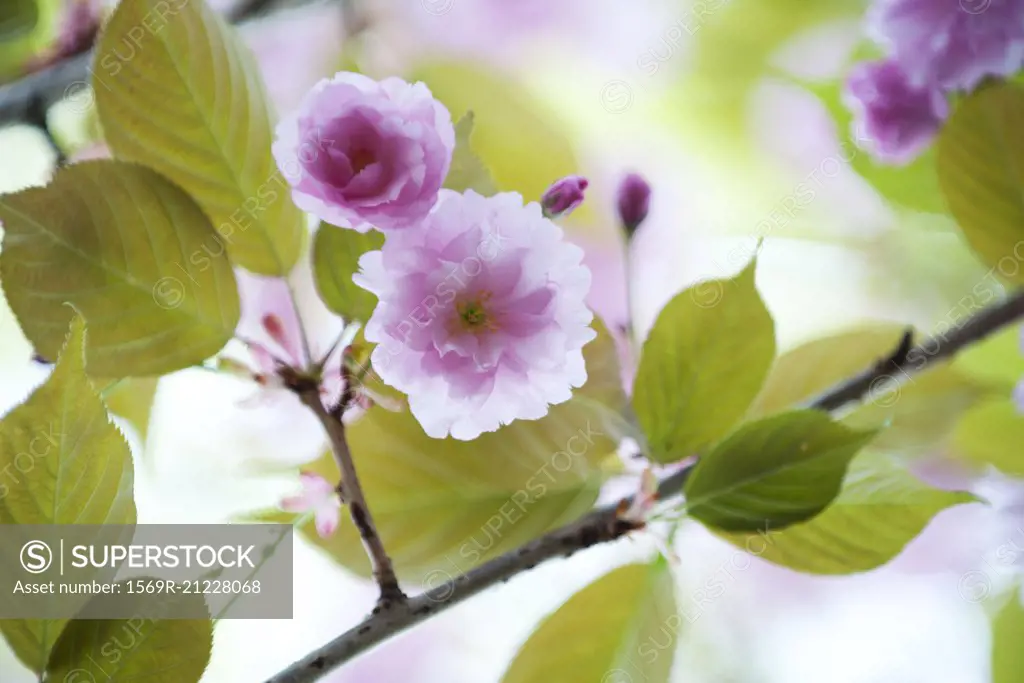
x,y
480,317
934,48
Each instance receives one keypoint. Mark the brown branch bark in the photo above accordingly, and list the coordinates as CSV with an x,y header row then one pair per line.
x,y
351,493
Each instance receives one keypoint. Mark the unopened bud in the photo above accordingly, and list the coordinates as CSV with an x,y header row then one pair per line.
x,y
563,196
633,201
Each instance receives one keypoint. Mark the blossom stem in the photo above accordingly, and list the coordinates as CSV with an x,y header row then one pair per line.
x,y
351,493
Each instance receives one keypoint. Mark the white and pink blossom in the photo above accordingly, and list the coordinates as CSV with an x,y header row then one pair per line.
x,y
481,317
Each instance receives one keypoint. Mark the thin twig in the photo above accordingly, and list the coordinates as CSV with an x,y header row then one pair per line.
x,y
351,493
603,524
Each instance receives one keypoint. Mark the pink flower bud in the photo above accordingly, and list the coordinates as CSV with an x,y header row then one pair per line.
x,y
634,200
563,196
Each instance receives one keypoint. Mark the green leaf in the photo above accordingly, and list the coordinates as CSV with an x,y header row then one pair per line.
x,y
997,360
918,417
1007,635
806,371
153,650
926,260
178,91
81,469
621,628
703,364
467,171
336,253
72,466
880,509
132,399
911,418
133,253
524,145
991,434
981,170
773,473
443,506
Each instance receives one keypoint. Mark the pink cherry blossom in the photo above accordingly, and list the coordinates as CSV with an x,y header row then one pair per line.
x,y
319,497
481,317
952,44
360,153
894,119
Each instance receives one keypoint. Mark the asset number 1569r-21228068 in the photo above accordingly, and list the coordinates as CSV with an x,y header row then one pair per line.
x,y
195,586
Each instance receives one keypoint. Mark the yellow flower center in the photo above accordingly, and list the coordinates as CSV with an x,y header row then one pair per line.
x,y
473,314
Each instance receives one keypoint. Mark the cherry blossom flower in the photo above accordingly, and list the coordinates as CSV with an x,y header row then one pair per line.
x,y
481,318
319,497
892,117
359,153
951,44
935,47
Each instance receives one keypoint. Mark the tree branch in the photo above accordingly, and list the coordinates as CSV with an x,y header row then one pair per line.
x,y
908,360
600,526
603,524
351,493
51,83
